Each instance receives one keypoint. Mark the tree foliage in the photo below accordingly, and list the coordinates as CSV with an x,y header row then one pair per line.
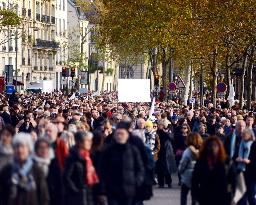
x,y
9,18
217,31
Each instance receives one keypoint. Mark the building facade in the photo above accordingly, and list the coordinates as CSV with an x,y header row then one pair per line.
x,y
32,46
61,13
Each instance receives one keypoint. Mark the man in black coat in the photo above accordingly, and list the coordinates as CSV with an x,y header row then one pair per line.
x,y
122,170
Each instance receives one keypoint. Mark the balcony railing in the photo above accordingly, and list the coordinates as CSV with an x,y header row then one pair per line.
x,y
41,67
29,62
45,68
10,48
23,61
4,48
50,68
29,12
38,17
52,19
46,44
24,12
35,67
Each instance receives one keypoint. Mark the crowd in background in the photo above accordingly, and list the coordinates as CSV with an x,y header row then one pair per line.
x,y
87,149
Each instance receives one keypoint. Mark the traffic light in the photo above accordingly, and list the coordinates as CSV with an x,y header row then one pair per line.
x,y
156,80
73,72
65,72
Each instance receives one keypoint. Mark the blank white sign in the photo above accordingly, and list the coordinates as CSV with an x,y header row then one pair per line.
x,y
134,90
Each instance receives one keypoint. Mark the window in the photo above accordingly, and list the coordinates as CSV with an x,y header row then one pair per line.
x,y
64,5
64,26
60,5
60,26
3,62
35,55
24,4
10,61
38,8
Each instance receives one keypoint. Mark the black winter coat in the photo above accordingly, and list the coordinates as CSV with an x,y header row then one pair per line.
x,y
250,172
166,158
7,118
39,196
121,172
55,183
212,186
76,191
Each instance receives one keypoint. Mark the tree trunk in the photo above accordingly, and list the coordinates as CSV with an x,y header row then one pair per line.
x,y
241,96
191,81
187,80
164,74
228,72
215,80
249,87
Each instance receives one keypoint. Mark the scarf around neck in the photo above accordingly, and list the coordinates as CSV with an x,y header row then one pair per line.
x,y
22,177
91,177
43,164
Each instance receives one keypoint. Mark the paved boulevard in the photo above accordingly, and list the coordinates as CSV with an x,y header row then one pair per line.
x,y
166,196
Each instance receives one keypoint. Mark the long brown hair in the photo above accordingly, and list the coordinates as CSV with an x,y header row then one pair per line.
x,y
221,157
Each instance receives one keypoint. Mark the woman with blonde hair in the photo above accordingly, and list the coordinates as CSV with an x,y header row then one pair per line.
x,y
187,163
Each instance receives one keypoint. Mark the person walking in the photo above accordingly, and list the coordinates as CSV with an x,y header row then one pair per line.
x,y
213,175
79,173
22,181
6,149
122,170
152,139
233,141
165,164
242,162
187,163
250,175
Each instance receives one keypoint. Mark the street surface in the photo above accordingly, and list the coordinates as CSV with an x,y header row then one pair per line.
x,y
166,196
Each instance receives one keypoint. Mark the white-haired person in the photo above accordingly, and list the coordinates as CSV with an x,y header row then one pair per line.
x,y
22,181
79,173
243,160
58,154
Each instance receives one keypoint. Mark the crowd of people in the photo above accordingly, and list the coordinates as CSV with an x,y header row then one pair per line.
x,y
88,149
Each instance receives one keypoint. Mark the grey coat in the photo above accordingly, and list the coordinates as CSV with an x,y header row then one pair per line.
x,y
186,166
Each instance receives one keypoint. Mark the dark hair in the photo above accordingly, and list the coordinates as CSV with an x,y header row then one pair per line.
x,y
8,128
124,125
222,156
39,141
98,141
